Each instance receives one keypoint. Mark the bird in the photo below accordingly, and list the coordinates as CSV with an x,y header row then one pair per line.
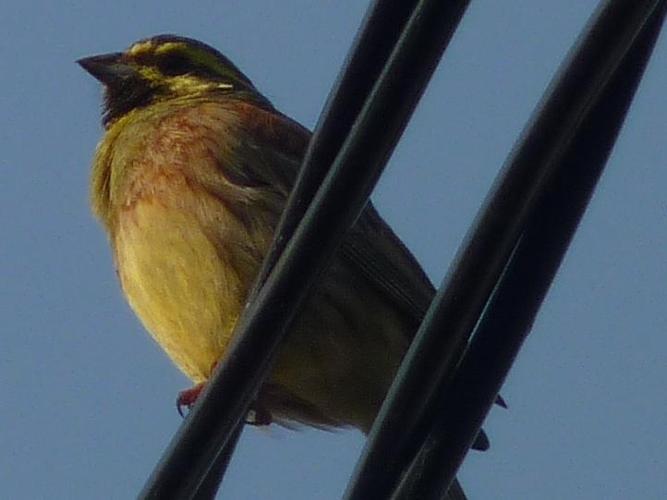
x,y
189,181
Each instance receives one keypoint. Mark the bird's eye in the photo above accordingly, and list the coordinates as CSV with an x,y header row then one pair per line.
x,y
174,64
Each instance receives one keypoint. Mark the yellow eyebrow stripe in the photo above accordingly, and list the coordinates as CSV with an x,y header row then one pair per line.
x,y
150,50
200,57
141,48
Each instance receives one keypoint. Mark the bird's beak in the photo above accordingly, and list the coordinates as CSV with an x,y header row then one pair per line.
x,y
108,68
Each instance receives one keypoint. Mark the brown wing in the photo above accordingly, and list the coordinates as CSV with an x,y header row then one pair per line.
x,y
386,262
371,246
278,143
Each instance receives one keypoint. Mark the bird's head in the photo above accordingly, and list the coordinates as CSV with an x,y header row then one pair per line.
x,y
161,68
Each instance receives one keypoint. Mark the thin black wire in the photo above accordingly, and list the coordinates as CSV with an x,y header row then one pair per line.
x,y
399,430
336,206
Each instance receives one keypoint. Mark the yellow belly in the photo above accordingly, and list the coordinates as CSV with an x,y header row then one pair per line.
x,y
333,368
176,282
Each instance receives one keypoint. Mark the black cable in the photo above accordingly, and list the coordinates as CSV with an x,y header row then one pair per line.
x,y
402,424
524,284
377,37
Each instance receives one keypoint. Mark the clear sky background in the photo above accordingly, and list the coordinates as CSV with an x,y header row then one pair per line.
x,y
88,399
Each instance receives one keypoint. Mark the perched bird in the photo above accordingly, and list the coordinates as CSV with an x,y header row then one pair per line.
x,y
189,182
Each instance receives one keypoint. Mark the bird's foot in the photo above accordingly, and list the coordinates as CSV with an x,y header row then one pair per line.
x,y
188,397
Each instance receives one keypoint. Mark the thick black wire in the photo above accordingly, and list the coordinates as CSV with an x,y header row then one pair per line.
x,y
382,26
383,23
337,205
399,431
525,282
210,483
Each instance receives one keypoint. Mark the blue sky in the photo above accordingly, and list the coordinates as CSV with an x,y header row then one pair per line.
x,y
89,399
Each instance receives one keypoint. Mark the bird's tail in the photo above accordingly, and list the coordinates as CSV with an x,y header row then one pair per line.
x,y
456,492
